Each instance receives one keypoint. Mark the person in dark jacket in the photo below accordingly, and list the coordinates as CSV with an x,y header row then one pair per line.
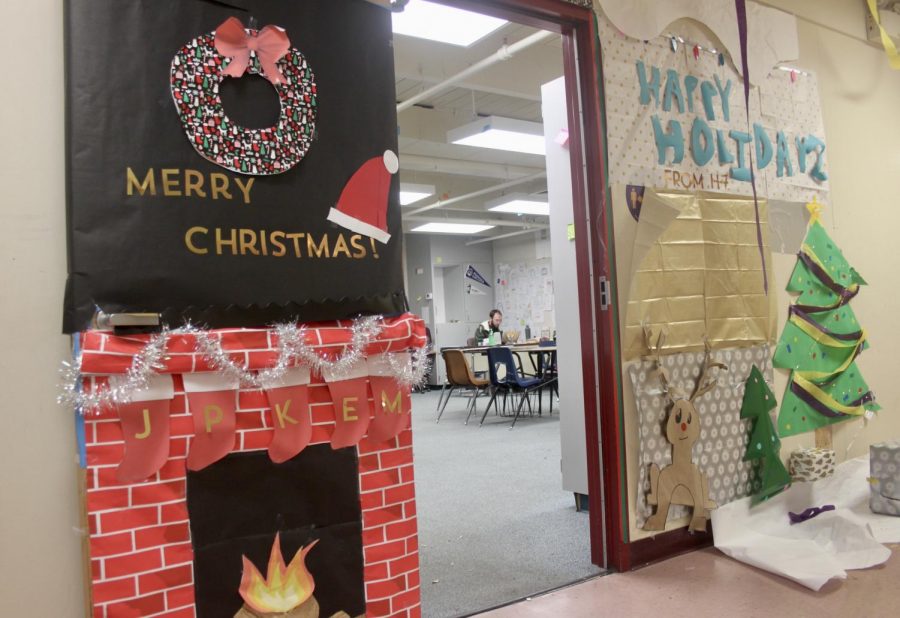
x,y
491,325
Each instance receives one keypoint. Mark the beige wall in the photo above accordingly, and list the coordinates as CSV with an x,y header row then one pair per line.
x,y
40,559
861,109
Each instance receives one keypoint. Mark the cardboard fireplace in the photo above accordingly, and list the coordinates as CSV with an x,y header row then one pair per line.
x,y
293,497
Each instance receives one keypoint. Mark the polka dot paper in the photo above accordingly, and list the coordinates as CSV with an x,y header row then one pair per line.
x,y
719,451
884,467
780,103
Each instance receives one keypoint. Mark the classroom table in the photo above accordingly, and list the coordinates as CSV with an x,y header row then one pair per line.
x,y
533,350
529,348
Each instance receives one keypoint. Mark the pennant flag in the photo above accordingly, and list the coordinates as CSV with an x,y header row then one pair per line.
x,y
634,196
474,275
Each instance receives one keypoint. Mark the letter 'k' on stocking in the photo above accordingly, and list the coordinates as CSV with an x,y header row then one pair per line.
x,y
289,398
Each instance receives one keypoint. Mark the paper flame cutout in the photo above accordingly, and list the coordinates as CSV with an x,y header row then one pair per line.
x,y
284,588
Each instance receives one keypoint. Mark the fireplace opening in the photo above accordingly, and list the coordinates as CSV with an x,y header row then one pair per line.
x,y
247,507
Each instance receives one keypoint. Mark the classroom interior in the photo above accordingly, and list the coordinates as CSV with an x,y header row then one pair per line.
x,y
487,218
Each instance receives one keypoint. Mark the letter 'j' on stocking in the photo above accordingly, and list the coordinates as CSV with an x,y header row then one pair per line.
x,y
145,429
212,399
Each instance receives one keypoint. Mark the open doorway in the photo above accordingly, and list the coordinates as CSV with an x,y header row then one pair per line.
x,y
491,222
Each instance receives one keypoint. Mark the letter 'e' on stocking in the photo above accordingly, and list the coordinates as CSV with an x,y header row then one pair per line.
x,y
350,397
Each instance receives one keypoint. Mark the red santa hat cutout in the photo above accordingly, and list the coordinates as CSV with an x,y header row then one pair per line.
x,y
362,207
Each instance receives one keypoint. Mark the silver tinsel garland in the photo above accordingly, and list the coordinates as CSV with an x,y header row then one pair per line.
x,y
145,363
292,351
413,370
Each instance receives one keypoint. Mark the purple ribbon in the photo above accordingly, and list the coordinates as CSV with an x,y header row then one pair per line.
x,y
741,7
809,513
824,410
797,310
825,278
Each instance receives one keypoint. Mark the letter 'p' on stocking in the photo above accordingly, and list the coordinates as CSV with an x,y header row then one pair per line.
x,y
212,399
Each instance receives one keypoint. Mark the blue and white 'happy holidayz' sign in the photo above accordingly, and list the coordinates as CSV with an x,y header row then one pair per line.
x,y
678,121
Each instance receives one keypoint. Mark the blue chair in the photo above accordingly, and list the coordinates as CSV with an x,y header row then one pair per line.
x,y
546,364
511,382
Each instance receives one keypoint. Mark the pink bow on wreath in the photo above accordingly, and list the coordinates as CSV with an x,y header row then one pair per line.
x,y
270,44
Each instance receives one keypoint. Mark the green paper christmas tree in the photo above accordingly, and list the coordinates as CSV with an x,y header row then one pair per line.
x,y
821,340
764,445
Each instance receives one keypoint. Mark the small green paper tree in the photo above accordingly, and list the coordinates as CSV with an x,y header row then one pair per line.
x,y
764,445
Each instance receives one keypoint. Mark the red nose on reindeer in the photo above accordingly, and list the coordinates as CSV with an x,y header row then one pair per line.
x,y
684,427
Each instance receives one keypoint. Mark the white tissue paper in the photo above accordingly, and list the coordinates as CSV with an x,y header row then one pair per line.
x,y
817,550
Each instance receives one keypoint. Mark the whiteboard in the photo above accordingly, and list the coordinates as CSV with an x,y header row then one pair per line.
x,y
524,293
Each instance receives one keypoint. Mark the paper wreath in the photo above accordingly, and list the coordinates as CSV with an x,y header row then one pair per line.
x,y
199,67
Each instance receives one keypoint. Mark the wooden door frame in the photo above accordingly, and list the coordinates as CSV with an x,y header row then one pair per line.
x,y
595,261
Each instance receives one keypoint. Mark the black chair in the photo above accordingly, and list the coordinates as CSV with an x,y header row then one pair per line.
x,y
512,382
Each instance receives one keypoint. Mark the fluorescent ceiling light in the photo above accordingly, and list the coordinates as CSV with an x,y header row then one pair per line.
x,y
521,205
444,24
452,228
410,193
501,133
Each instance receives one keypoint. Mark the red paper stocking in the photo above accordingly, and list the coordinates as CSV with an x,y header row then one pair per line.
x,y
212,399
145,429
391,401
350,398
290,414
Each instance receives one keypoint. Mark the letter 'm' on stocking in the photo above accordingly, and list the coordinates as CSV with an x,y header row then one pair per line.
x,y
145,430
391,400
350,397
289,399
212,399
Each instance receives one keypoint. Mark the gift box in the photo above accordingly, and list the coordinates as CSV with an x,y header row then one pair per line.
x,y
812,464
884,478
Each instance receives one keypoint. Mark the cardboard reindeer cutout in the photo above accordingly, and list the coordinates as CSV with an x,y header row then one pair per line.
x,y
682,482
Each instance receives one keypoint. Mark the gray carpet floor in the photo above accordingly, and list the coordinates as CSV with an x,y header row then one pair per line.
x,y
494,522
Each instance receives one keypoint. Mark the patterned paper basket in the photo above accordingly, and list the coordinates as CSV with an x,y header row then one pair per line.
x,y
812,464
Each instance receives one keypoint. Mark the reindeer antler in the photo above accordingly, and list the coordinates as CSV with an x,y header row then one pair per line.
x,y
656,356
705,385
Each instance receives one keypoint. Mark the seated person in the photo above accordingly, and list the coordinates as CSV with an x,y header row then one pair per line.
x,y
491,325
